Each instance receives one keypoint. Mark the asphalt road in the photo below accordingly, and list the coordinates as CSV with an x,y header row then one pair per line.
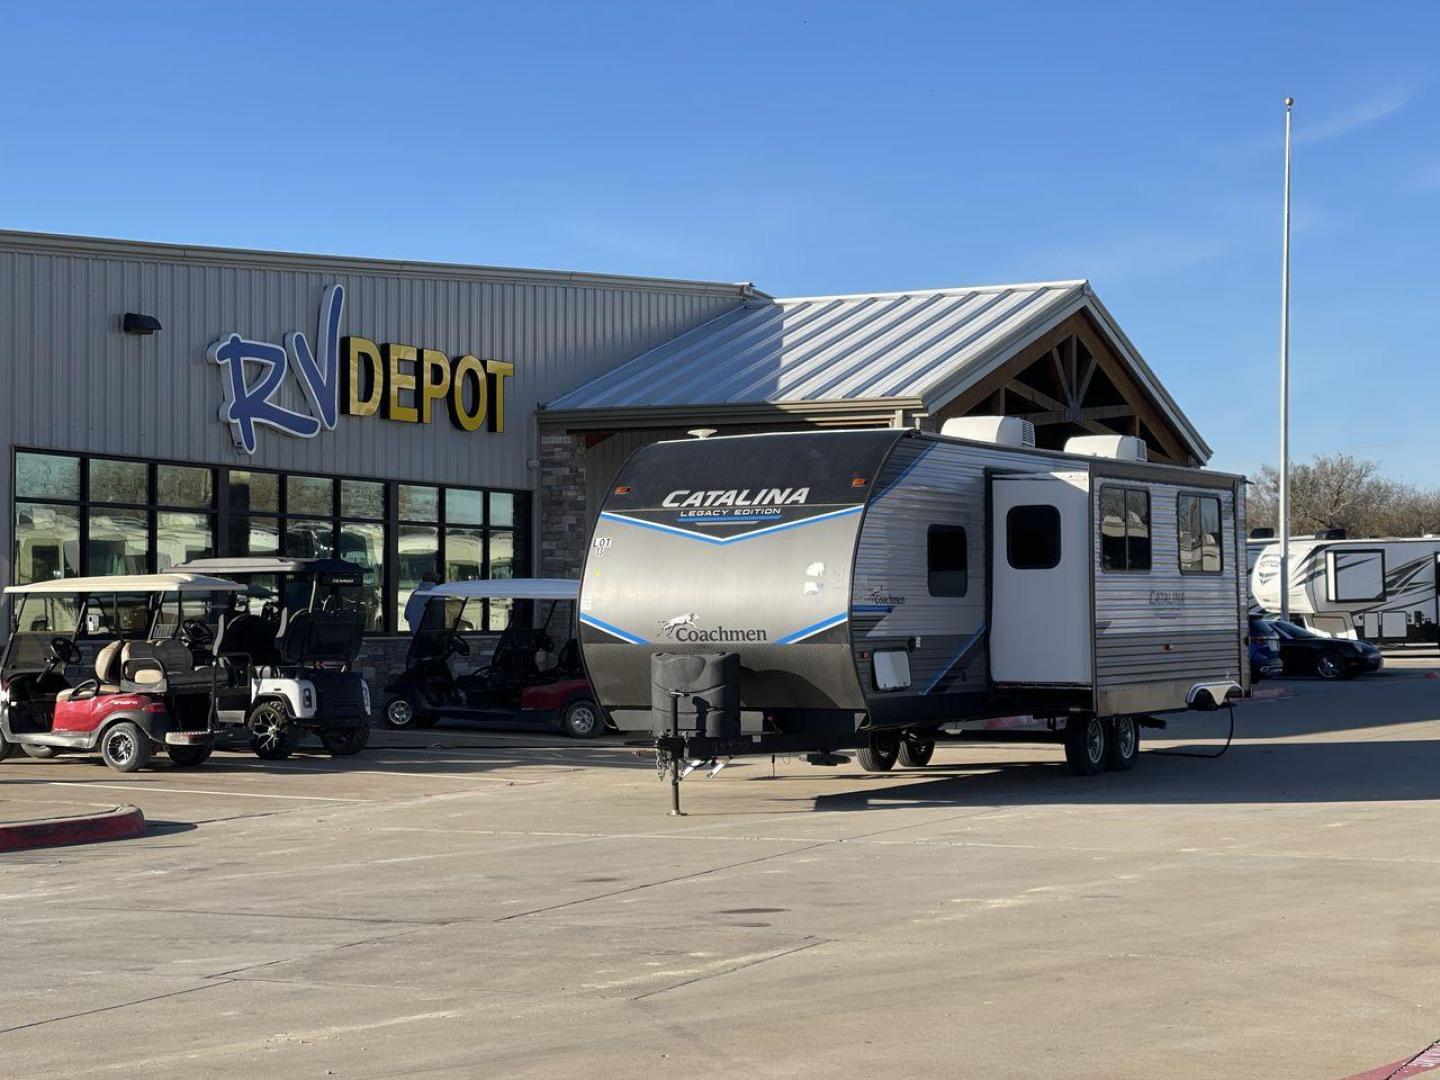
x,y
461,905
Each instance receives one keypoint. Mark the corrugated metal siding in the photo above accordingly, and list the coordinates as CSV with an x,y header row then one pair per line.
x,y
1136,617
828,349
70,379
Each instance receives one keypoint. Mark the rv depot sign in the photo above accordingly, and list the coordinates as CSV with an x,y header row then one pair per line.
x,y
398,382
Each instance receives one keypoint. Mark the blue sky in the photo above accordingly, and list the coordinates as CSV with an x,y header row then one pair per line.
x,y
811,148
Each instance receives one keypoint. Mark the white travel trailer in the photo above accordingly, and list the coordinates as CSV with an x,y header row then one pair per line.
x,y
860,589
1379,590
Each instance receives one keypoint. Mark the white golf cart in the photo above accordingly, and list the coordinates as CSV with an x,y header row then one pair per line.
x,y
292,637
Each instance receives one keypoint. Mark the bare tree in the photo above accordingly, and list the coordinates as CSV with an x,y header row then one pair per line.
x,y
1338,491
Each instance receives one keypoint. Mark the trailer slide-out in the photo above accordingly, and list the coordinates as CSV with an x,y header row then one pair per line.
x,y
860,589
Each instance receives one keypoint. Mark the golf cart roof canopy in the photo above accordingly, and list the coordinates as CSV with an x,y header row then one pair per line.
x,y
271,565
131,583
509,588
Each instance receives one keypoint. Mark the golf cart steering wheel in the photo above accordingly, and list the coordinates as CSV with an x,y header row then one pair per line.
x,y
457,645
196,633
63,651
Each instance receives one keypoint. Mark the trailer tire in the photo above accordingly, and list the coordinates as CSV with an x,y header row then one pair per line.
x,y
1123,740
189,757
1087,745
345,742
125,747
880,754
38,752
916,752
6,747
1330,665
582,719
273,736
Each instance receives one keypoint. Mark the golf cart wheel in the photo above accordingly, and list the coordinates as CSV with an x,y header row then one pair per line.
x,y
125,747
272,736
582,720
916,752
1329,665
1124,749
880,754
345,742
399,713
1087,745
38,752
189,757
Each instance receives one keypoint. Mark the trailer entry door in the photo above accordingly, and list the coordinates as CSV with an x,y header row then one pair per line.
x,y
1041,565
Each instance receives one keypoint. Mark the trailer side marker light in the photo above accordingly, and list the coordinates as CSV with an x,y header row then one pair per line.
x,y
859,481
623,489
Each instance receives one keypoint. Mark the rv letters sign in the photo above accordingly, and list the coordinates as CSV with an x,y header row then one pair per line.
x,y
398,382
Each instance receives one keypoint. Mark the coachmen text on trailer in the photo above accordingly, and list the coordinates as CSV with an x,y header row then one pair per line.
x,y
817,591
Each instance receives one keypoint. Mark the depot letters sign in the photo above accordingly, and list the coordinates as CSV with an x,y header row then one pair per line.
x,y
398,382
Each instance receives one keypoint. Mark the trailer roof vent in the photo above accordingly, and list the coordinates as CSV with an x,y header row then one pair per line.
x,y
1118,447
1000,430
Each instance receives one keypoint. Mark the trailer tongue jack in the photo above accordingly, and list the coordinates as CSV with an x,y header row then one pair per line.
x,y
694,700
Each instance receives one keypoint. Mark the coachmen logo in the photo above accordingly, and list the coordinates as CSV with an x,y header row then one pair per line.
x,y
685,627
398,382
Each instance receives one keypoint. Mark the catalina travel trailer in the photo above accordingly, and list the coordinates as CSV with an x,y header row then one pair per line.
x,y
816,591
1379,590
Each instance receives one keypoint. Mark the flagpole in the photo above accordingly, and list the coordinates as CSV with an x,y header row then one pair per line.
x,y
1285,384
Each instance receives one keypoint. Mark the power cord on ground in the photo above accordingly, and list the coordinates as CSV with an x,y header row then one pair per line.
x,y
1197,754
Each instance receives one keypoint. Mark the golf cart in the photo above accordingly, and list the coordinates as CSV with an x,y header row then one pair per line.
x,y
291,638
154,681
527,681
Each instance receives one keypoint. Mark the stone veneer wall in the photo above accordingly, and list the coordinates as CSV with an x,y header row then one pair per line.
x,y
562,504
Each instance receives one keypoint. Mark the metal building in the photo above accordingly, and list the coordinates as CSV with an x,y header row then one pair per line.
x,y
161,402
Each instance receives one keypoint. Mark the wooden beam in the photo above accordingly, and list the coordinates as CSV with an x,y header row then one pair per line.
x,y
1129,389
1097,412
1029,393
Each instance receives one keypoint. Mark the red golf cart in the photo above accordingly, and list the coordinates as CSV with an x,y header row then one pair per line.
x,y
153,683
532,679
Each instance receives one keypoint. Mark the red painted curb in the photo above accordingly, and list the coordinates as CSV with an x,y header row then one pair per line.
x,y
1425,1061
121,823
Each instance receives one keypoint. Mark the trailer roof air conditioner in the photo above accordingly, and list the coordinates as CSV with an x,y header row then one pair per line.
x,y
1000,430
1118,447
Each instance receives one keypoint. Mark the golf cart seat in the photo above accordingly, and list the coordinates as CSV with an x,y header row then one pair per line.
x,y
107,675
167,664
251,636
324,636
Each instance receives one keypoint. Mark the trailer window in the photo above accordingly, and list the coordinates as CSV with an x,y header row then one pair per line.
x,y
1198,527
1124,528
947,562
1032,537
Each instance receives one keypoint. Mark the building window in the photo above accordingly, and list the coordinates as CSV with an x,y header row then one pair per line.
x,y
947,560
1032,537
1124,529
76,515
1198,528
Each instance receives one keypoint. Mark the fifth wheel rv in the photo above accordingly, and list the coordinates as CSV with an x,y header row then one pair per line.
x,y
818,591
1379,590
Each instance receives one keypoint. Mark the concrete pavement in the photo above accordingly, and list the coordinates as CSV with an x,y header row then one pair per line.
x,y
461,905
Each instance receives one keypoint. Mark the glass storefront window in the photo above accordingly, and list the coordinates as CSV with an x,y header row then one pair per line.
x,y
502,555
502,509
498,613
118,542
47,476
254,536
47,542
464,507
180,485
464,555
309,495
119,481
363,543
309,538
419,503
180,537
418,550
362,499
38,614
254,491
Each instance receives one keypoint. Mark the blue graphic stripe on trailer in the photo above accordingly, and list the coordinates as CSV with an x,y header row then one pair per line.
x,y
590,620
691,535
813,629
964,652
